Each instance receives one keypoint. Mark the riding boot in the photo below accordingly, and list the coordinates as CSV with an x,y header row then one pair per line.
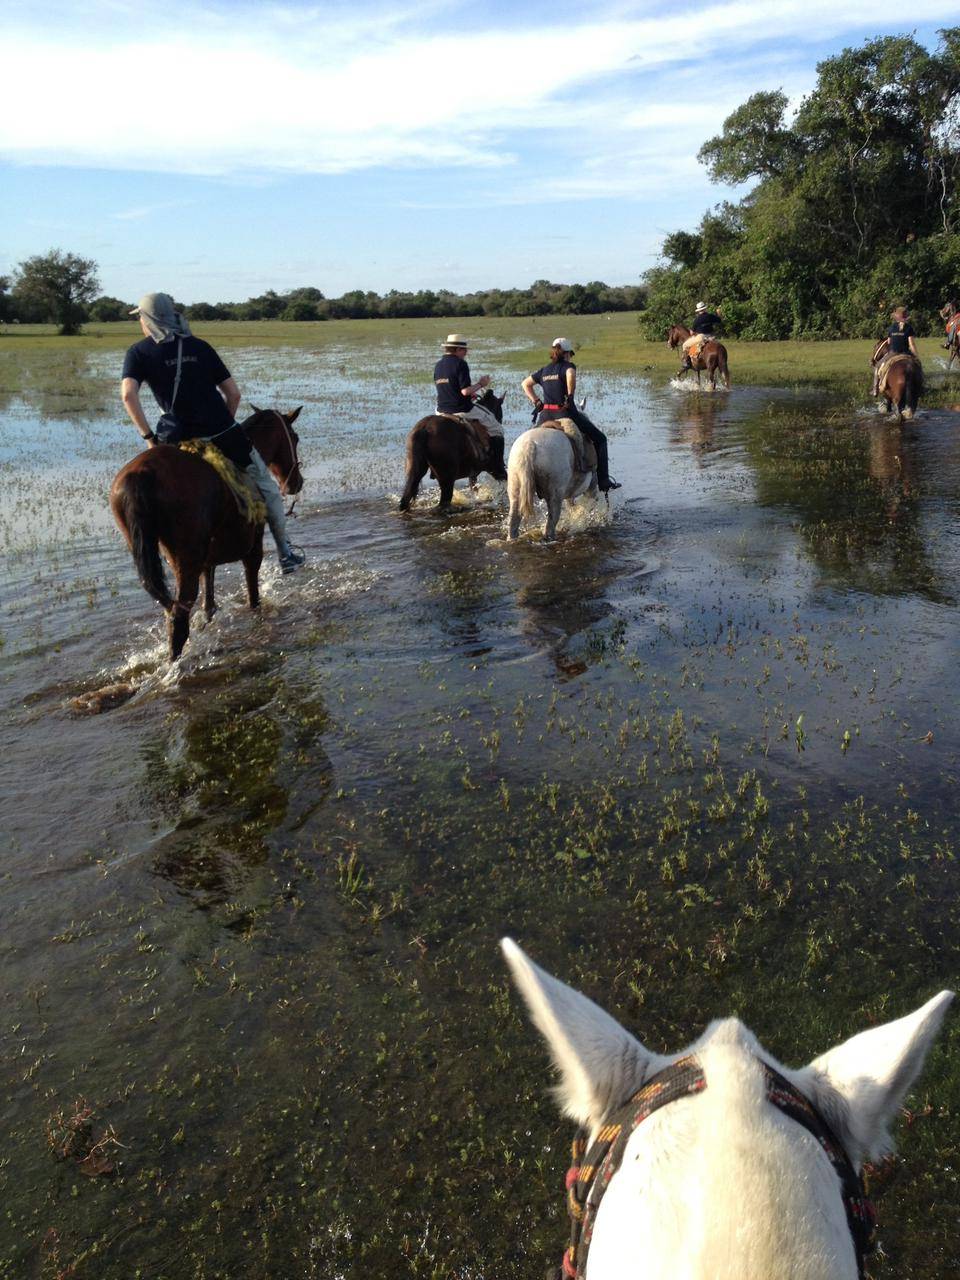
x,y
495,458
604,480
686,362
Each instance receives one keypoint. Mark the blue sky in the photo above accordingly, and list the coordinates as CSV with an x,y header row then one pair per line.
x,y
215,150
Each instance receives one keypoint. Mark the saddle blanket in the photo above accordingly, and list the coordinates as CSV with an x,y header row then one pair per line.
x,y
584,453
249,503
693,344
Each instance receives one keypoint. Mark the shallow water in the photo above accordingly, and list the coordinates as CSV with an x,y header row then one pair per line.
x,y
699,757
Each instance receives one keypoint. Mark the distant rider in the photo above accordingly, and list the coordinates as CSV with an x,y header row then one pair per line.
x,y
200,403
950,314
455,392
704,327
898,342
558,383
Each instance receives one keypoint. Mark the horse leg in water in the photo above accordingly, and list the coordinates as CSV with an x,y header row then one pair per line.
x,y
554,507
251,568
446,489
209,604
188,584
418,465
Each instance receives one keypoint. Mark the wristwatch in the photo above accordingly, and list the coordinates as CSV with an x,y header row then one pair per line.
x,y
151,435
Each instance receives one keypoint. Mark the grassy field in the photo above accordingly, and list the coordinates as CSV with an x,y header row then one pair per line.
x,y
606,342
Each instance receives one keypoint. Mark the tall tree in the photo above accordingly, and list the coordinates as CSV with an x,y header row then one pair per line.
x,y
57,287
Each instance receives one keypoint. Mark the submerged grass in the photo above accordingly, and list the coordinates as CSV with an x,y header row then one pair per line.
x,y
260,955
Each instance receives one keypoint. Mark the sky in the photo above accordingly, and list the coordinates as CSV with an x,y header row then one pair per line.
x,y
215,150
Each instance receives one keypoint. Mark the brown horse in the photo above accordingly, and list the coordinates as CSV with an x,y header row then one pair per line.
x,y
442,446
712,357
954,349
172,501
904,382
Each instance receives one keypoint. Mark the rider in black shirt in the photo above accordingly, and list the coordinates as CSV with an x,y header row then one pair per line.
x,y
705,324
198,399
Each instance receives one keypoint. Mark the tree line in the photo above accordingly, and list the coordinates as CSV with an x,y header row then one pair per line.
x,y
63,289
854,209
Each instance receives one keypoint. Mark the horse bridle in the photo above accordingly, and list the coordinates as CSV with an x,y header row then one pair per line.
x,y
293,455
594,1165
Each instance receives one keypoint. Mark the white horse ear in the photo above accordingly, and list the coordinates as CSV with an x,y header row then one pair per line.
x,y
861,1083
600,1063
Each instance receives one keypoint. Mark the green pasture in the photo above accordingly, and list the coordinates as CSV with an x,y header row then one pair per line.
x,y
604,342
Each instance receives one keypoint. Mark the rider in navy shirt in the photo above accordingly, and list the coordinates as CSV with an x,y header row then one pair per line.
x,y
705,321
451,377
455,392
898,342
558,381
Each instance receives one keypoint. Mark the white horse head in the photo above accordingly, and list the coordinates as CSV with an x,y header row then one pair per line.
x,y
542,465
724,1183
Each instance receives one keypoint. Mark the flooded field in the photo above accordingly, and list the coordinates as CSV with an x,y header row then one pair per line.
x,y
699,758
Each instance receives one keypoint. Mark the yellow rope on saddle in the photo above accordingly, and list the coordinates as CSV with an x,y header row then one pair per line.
x,y
249,503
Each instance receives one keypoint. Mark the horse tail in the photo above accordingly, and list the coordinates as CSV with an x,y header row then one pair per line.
x,y
418,464
527,480
138,505
723,366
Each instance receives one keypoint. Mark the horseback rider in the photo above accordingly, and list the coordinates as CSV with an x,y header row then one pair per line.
x,y
558,382
704,327
198,398
950,314
455,392
898,342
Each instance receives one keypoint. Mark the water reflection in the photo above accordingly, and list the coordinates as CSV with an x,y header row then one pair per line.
x,y
693,422
859,498
244,761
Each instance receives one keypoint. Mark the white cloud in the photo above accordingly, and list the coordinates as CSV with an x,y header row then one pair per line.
x,y
286,89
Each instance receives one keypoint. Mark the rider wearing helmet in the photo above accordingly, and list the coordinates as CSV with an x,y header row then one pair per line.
x,y
558,382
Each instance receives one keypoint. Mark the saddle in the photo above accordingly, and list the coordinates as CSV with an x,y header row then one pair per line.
x,y
584,453
251,506
478,437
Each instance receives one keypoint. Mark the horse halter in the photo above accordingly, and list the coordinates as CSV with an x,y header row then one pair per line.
x,y
593,1167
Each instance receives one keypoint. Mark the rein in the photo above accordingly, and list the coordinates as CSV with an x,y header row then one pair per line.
x,y
594,1165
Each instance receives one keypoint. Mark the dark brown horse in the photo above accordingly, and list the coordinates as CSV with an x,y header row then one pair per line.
x,y
712,357
903,385
172,501
442,446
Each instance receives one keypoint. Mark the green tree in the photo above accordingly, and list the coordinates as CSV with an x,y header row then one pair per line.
x,y
855,205
57,287
106,309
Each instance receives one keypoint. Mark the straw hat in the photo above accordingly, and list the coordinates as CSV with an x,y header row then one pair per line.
x,y
454,340
701,306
